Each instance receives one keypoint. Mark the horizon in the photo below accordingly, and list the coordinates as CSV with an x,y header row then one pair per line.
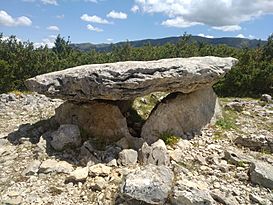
x,y
105,21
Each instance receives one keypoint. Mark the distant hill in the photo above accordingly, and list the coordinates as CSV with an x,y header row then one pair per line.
x,y
230,41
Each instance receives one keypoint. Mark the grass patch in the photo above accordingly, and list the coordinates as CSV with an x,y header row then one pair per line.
x,y
18,92
241,164
228,121
218,136
169,138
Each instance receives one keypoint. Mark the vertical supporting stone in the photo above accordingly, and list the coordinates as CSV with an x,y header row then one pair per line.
x,y
179,113
96,119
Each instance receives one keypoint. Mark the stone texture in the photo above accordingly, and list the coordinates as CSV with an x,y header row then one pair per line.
x,y
187,193
261,173
95,119
256,199
266,98
99,170
128,80
236,106
224,198
99,184
256,142
51,165
150,184
236,157
32,168
78,175
67,135
179,113
156,154
127,157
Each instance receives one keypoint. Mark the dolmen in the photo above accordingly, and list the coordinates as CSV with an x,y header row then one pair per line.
x,y
97,96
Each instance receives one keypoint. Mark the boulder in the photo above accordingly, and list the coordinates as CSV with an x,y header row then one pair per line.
x,y
180,113
128,80
95,119
66,136
150,184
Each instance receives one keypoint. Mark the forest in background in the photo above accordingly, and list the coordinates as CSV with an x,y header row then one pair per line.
x,y
251,77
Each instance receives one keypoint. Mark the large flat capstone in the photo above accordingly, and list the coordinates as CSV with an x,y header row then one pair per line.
x,y
128,80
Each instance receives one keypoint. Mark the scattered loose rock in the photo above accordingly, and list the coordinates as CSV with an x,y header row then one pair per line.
x,y
32,168
256,142
150,184
156,154
66,136
262,173
186,193
224,198
51,165
99,170
236,106
128,157
266,98
78,175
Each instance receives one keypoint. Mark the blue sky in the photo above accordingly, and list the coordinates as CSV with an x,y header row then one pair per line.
x,y
104,21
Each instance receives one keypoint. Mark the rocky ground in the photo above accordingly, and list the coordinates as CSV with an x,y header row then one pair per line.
x,y
228,163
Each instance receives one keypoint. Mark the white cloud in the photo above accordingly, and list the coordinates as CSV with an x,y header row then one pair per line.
x,y
179,23
109,39
228,28
7,37
243,36
92,28
206,36
52,2
117,15
240,36
93,1
225,15
7,20
135,9
46,41
60,16
94,19
52,36
53,28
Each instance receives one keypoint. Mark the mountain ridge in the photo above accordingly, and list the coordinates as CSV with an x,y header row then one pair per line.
x,y
229,41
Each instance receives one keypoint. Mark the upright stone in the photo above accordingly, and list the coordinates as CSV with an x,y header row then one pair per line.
x,y
95,119
180,113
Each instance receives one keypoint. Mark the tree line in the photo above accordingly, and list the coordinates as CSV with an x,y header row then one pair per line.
x,y
251,77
